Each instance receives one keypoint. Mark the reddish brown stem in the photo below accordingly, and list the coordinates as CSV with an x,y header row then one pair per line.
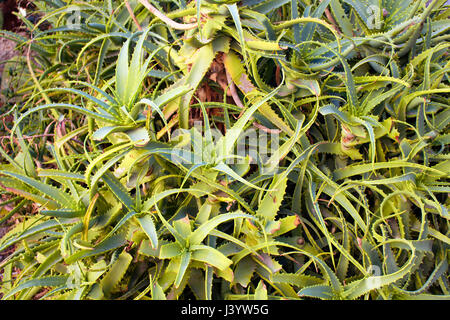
x,y
130,11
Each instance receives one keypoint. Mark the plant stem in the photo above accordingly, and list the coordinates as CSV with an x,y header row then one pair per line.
x,y
130,11
167,20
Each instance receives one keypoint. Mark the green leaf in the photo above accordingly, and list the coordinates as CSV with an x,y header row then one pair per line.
x,y
51,192
170,250
185,259
261,291
148,226
51,281
109,244
112,278
210,256
203,230
318,291
271,202
203,60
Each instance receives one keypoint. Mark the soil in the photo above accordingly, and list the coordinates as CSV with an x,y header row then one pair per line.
x,y
7,51
10,23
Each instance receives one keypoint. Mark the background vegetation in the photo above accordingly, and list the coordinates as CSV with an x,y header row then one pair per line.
x,y
353,206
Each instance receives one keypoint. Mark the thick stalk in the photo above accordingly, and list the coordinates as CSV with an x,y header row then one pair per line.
x,y
167,20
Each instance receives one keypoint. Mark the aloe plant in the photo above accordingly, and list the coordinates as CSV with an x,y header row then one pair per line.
x,y
130,167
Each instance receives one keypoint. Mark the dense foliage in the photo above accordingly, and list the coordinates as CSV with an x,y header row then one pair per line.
x,y
351,202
